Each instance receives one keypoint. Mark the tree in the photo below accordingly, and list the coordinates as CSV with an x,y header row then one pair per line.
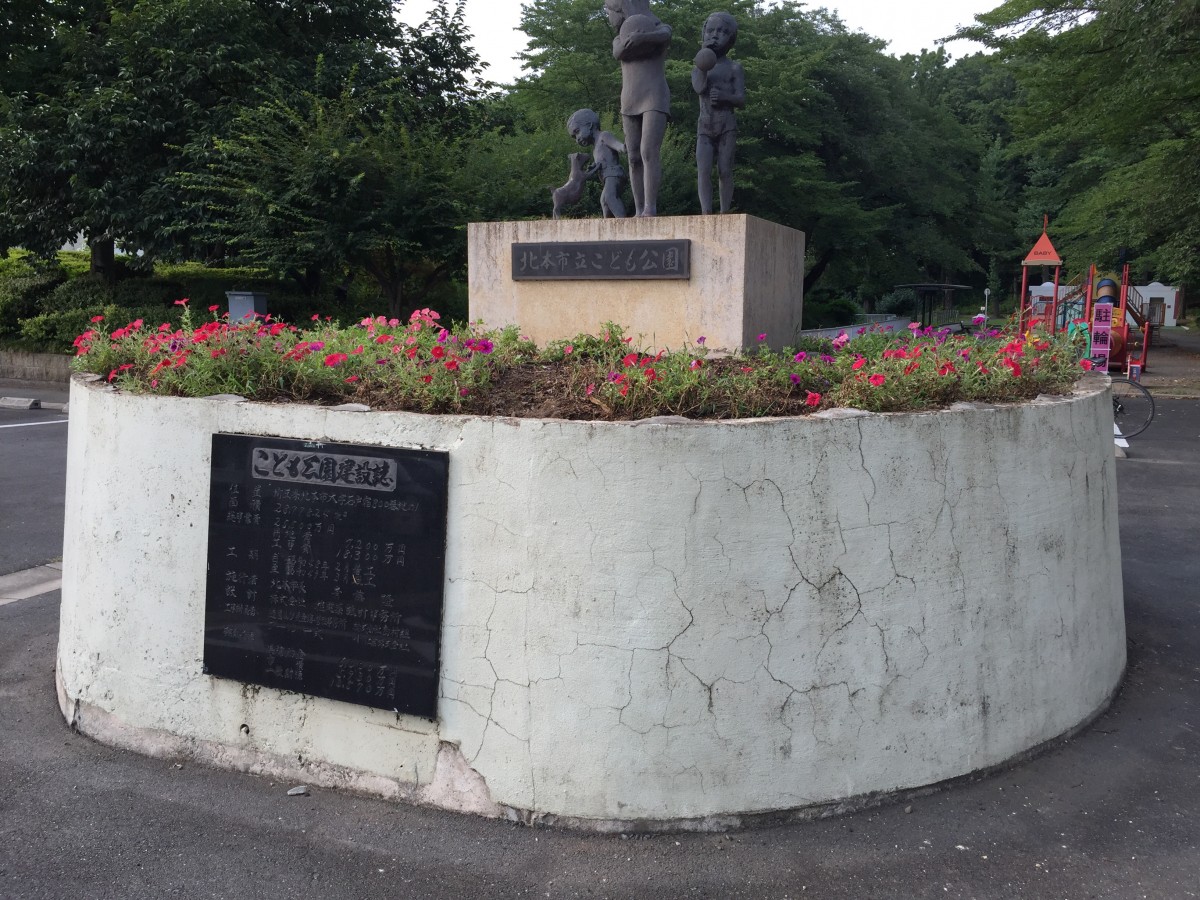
x,y
100,99
370,179
1110,93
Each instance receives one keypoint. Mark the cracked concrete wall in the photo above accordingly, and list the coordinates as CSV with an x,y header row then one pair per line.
x,y
649,621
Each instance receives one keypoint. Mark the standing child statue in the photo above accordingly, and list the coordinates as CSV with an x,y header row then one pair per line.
x,y
584,127
721,84
641,46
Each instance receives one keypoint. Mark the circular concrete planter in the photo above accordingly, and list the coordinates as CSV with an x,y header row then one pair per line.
x,y
663,623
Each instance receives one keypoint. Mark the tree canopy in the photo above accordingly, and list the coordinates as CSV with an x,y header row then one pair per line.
x,y
327,140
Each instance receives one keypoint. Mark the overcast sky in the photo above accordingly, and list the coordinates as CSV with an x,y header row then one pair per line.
x,y
908,25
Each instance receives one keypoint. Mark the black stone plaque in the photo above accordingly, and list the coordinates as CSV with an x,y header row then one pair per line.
x,y
602,260
326,565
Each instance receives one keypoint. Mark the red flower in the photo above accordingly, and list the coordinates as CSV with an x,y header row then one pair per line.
x,y
451,365
911,367
696,364
427,378
947,369
335,359
812,399
1012,364
183,302
219,352
97,319
411,352
624,389
877,379
650,374
384,339
438,351
357,350
859,362
214,307
352,379
630,359
1086,364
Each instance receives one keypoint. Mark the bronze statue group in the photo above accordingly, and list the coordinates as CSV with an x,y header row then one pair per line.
x,y
641,47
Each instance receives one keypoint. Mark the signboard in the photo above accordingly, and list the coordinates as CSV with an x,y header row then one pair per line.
x,y
326,569
601,260
1102,325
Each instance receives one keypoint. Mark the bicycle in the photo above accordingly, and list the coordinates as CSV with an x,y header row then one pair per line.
x,y
1133,407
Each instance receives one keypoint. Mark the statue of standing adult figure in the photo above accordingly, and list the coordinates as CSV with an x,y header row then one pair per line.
x,y
641,46
721,84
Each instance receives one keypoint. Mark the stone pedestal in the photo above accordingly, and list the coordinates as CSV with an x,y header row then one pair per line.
x,y
747,279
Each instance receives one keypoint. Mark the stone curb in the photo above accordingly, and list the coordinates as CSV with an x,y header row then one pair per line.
x,y
19,403
30,583
31,403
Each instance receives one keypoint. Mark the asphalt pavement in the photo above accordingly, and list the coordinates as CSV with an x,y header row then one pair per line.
x,y
1112,813
33,457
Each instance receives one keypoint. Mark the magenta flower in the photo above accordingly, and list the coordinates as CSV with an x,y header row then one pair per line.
x,y
800,357
700,340
763,336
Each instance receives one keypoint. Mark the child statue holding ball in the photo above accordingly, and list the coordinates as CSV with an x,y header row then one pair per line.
x,y
641,46
721,84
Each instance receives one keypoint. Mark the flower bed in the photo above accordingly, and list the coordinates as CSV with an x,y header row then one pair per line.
x,y
422,365
646,624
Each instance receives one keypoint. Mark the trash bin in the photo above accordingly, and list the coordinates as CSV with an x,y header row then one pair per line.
x,y
245,303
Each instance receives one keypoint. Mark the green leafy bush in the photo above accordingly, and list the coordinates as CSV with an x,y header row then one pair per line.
x,y
22,295
58,330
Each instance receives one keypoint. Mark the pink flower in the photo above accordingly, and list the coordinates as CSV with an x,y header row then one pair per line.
x,y
591,389
316,317
183,302
214,308
914,327
696,364
841,341
568,350
97,319
877,379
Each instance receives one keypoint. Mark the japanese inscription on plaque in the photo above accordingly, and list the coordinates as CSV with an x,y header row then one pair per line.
x,y
601,260
325,569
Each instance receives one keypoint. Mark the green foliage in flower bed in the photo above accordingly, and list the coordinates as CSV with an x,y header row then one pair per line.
x,y
421,365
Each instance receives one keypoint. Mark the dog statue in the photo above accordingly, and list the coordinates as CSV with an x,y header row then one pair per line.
x,y
572,192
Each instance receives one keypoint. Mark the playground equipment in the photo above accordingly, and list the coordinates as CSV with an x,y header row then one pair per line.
x,y
1117,315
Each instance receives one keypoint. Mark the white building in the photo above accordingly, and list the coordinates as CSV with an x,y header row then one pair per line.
x,y
1159,303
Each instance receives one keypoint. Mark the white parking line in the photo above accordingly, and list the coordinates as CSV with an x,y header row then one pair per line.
x,y
31,424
